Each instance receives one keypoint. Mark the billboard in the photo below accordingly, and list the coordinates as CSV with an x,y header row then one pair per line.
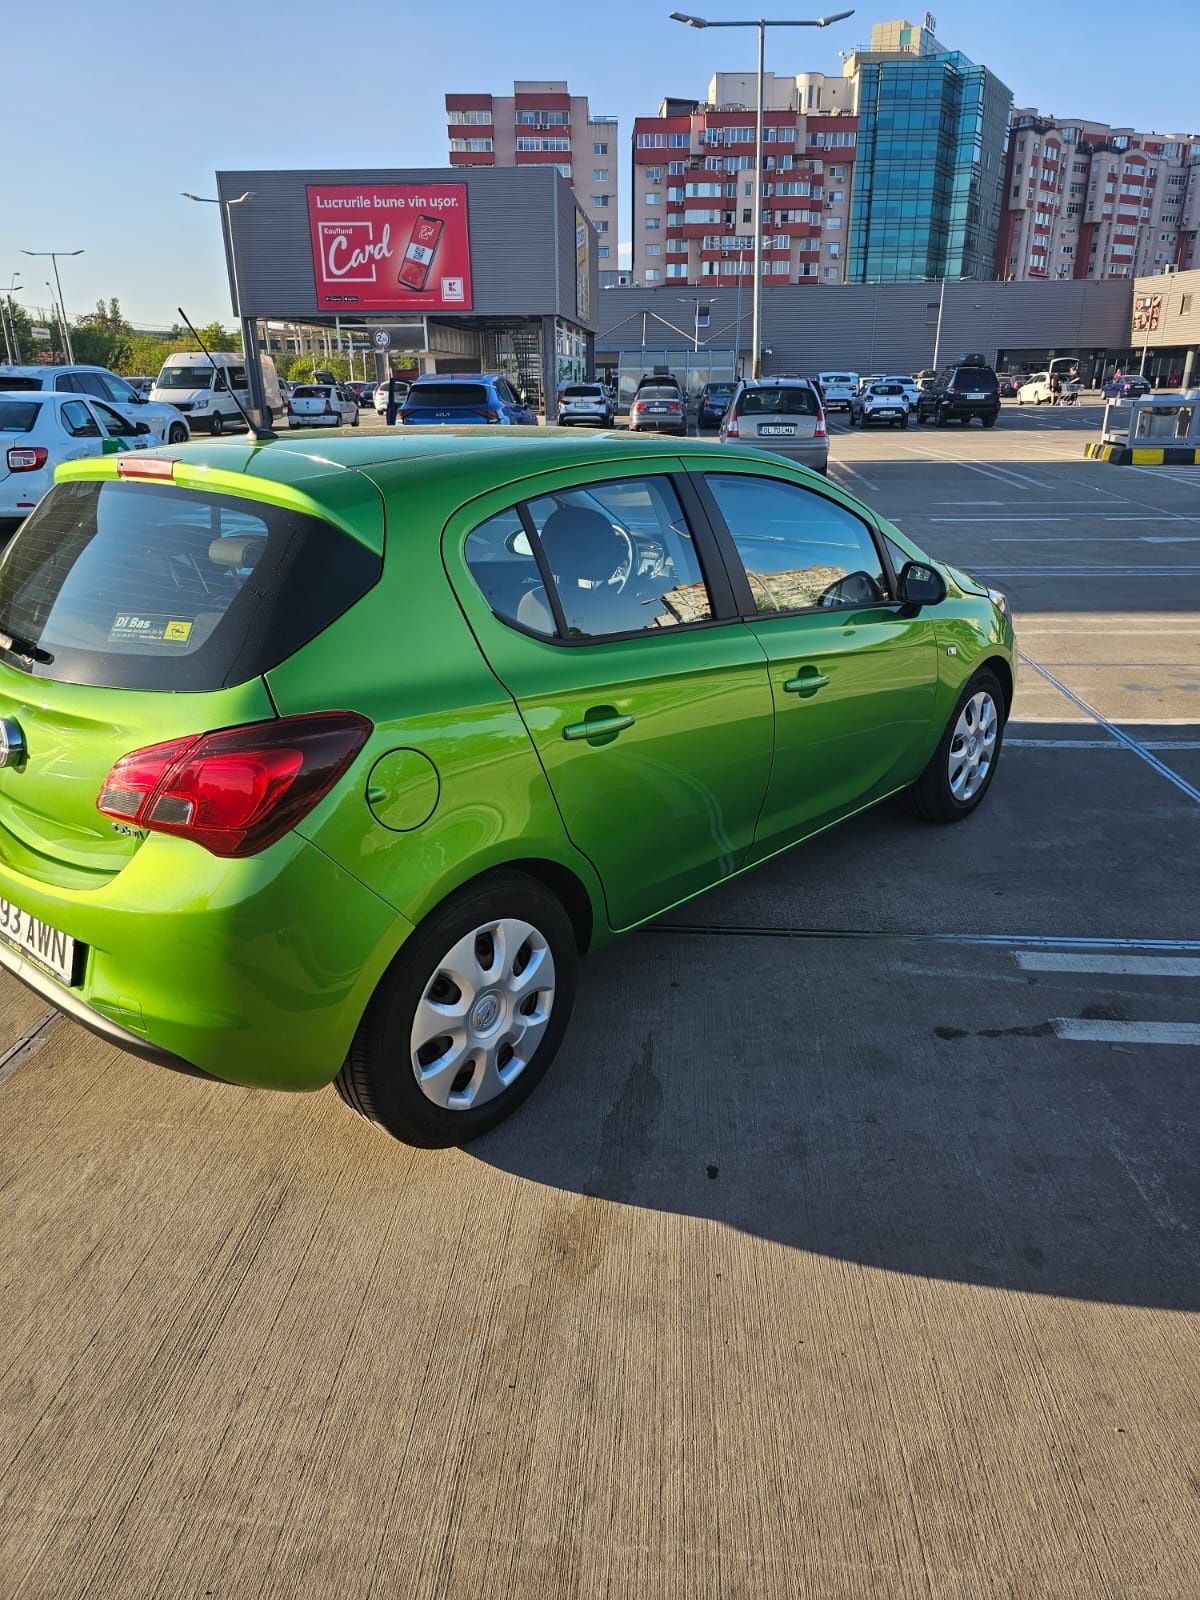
x,y
1146,309
583,268
390,247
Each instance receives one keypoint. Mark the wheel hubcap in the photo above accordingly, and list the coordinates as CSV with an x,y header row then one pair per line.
x,y
973,746
482,1014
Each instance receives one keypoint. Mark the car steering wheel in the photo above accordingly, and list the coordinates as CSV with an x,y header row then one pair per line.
x,y
620,578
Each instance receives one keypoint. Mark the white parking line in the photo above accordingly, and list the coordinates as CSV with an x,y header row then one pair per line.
x,y
1133,966
1102,1031
1098,744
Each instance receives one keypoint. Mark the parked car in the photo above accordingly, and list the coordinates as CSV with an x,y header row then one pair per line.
x,y
780,414
467,398
880,403
166,423
366,394
910,386
839,389
1130,388
210,388
585,402
380,398
1034,390
659,380
290,853
960,394
40,430
658,406
321,405
713,404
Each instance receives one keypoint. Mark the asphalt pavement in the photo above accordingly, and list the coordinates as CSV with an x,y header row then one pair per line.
x,y
852,1247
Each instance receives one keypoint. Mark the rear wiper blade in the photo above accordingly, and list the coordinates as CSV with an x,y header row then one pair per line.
x,y
23,647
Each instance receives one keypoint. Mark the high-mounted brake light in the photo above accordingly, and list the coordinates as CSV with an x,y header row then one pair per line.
x,y
145,467
26,458
237,791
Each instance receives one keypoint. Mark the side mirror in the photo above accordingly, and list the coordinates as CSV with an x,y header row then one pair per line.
x,y
921,585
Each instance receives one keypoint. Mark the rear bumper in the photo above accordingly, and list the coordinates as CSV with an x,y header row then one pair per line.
x,y
808,452
255,971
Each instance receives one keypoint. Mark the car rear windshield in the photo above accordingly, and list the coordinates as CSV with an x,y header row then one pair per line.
x,y
836,377
582,391
776,402
184,378
13,380
18,416
980,378
311,391
448,394
145,586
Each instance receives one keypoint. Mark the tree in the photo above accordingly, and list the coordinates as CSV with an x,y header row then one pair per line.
x,y
102,337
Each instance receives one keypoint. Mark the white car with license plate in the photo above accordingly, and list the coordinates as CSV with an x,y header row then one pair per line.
x,y
838,389
321,405
166,424
40,429
380,398
1035,390
879,404
912,389
585,402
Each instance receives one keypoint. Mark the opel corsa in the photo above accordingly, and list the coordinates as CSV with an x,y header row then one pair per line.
x,y
326,759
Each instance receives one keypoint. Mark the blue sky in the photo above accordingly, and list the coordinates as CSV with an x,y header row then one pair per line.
x,y
165,96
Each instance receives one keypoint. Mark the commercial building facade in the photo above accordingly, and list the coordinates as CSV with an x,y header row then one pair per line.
x,y
1086,200
1164,329
543,124
929,176
462,271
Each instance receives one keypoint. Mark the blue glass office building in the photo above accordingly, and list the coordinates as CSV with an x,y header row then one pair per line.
x,y
929,176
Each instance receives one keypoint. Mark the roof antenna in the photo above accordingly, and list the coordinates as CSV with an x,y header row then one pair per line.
x,y
261,434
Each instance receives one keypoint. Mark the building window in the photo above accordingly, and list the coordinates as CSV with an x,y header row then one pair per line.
x,y
563,168
601,227
470,119
651,141
543,144
599,149
653,198
601,201
675,196
652,249
704,191
654,174
599,174
652,274
543,119
1185,305
679,141
676,169
652,224
836,196
833,222
677,269
602,252
470,144
833,249
832,273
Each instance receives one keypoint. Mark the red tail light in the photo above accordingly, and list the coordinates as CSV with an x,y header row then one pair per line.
x,y
488,413
237,791
674,406
329,408
731,429
637,406
819,430
26,458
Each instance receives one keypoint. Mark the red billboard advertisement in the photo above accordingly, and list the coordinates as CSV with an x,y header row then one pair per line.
x,y
391,247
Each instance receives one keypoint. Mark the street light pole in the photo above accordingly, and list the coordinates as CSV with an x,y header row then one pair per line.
x,y
62,309
248,331
937,338
762,24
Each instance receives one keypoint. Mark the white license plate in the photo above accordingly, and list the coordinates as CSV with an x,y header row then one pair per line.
x,y
976,394
44,945
771,431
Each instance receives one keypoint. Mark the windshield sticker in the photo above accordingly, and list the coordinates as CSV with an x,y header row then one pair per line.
x,y
129,628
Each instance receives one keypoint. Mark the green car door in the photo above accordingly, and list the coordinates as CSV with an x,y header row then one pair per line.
x,y
854,677
647,700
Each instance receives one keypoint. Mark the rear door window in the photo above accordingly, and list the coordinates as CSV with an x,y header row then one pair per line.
x,y
140,586
78,420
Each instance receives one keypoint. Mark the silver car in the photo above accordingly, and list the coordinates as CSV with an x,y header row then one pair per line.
x,y
585,402
782,414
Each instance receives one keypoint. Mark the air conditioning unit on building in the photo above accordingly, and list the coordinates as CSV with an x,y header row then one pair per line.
x,y
1172,267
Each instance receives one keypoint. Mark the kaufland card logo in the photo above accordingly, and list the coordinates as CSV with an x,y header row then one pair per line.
x,y
390,247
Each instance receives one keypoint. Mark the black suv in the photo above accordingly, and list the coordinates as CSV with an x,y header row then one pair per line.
x,y
967,390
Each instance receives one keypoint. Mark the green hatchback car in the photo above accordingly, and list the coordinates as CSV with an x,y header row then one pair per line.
x,y
325,759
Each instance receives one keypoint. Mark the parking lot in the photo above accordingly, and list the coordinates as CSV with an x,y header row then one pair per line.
x,y
852,1246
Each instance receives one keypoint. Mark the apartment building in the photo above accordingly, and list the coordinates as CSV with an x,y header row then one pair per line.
x,y
543,124
694,171
1086,200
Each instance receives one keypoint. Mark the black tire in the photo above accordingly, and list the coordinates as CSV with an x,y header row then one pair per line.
x,y
177,433
354,420
216,424
377,1079
931,797
940,419
989,422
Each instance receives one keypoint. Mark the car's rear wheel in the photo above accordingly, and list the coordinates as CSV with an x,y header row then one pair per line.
x,y
961,769
468,1018
354,420
176,433
989,422
940,419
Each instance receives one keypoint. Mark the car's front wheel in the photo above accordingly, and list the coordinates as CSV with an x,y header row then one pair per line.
x,y
217,424
177,433
961,769
469,1016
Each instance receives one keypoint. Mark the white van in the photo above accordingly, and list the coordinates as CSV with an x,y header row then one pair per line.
x,y
189,382
838,388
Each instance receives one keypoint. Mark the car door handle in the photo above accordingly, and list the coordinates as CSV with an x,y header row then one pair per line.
x,y
600,726
806,683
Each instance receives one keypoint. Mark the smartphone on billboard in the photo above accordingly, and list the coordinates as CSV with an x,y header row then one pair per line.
x,y
417,263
